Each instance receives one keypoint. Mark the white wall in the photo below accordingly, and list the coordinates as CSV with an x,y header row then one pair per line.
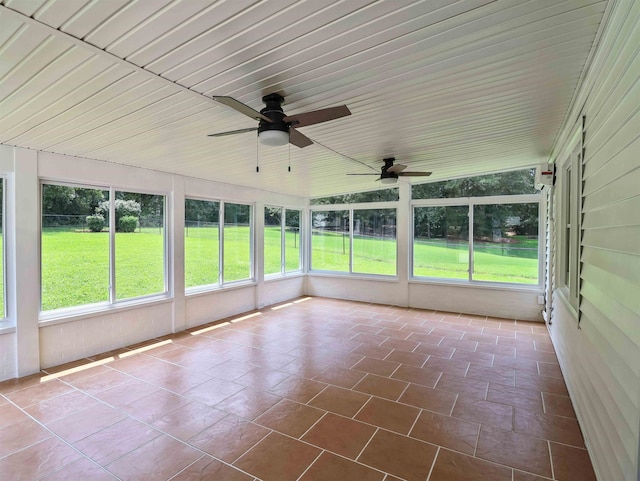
x,y
601,359
28,343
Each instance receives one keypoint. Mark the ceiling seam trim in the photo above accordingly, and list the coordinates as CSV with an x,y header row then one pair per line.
x,y
98,51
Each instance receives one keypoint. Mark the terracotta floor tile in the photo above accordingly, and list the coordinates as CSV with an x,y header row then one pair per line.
x,y
208,468
372,350
460,344
464,386
20,435
83,423
329,467
453,433
548,384
388,415
476,358
513,396
214,391
398,455
457,368
340,435
394,331
300,389
430,399
484,412
546,426
498,349
498,375
451,466
416,359
426,338
9,414
290,418
101,382
346,378
248,403
557,405
161,458
522,365
262,379
189,420
543,356
571,463
514,449
417,375
340,401
116,440
376,366
126,393
82,469
154,406
228,439
37,460
38,393
278,458
550,370
522,476
400,344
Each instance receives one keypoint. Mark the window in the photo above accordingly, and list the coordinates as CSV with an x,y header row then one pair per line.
x,y
482,228
505,243
201,243
3,311
100,245
374,241
382,195
330,240
570,209
441,242
272,240
292,250
357,240
237,249
281,241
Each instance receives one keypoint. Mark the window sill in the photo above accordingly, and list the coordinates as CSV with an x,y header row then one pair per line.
x,y
500,286
7,328
61,316
360,277
282,277
206,290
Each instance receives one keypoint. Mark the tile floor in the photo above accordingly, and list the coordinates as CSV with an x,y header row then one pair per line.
x,y
314,389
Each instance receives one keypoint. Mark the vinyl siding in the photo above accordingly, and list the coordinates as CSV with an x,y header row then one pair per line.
x,y
601,357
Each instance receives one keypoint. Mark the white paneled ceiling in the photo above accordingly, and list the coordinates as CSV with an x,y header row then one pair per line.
x,y
454,87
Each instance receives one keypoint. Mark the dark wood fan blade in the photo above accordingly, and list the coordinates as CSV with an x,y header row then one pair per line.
x,y
231,132
364,174
396,168
317,116
414,174
298,139
242,108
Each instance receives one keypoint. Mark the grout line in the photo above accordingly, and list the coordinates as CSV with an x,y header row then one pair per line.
x,y
313,425
322,451
553,474
414,422
367,443
433,463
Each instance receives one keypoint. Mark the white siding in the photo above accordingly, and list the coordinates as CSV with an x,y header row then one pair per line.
x,y
601,358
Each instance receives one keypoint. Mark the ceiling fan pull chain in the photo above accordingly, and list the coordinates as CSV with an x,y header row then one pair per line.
x,y
257,155
289,158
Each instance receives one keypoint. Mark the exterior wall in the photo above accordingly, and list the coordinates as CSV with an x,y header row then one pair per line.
x,y
600,357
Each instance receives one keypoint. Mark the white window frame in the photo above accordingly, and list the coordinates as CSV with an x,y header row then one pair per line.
x,y
218,284
4,315
392,205
112,302
252,223
470,202
283,235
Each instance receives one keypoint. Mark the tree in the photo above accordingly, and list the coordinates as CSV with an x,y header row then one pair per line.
x,y
124,209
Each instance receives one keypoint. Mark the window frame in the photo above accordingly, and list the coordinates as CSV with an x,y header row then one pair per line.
x,y
252,224
218,284
471,202
350,208
3,225
112,302
283,238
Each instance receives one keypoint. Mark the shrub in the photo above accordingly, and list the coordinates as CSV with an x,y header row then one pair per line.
x,y
95,222
127,223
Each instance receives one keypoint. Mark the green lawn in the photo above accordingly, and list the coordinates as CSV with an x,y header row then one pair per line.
x,y
75,265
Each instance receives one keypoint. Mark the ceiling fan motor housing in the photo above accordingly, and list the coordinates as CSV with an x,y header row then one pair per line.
x,y
388,163
273,110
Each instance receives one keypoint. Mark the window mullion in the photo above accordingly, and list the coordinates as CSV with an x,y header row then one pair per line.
x,y
112,245
221,244
470,240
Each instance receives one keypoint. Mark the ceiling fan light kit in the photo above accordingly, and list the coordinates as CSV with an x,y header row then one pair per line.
x,y
274,127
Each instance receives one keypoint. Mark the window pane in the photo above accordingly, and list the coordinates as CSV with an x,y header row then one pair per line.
x,y
441,242
374,241
75,246
140,235
505,243
330,249
272,240
3,313
201,242
237,242
292,249
503,183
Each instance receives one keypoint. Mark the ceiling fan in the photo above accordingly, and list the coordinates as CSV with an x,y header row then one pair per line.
x,y
276,128
389,172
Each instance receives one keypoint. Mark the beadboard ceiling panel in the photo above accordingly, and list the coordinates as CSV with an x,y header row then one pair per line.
x,y
457,88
